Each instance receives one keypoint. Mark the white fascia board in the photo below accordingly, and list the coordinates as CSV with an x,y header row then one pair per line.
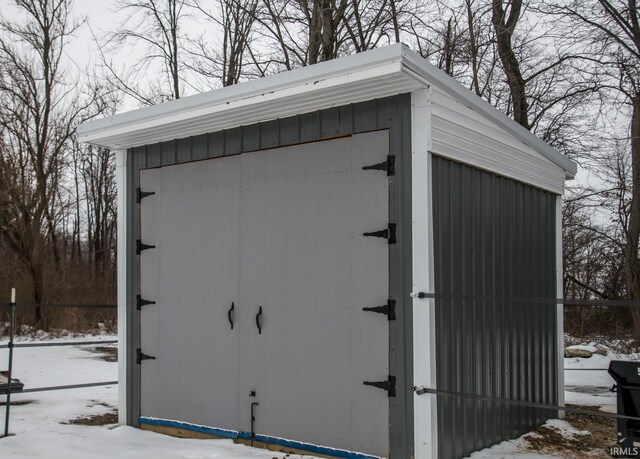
x,y
384,71
363,66
429,74
261,107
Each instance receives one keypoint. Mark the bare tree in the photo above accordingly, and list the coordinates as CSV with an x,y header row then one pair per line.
x,y
610,31
373,23
156,25
550,81
98,176
39,109
225,61
296,33
456,38
94,193
505,18
439,37
324,18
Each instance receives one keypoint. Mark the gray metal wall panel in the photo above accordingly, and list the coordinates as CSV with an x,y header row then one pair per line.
x,y
183,150
393,113
400,272
199,147
330,120
169,152
309,127
233,141
251,137
269,135
216,144
492,237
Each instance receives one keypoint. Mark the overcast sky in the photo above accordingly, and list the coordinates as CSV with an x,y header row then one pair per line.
x,y
102,16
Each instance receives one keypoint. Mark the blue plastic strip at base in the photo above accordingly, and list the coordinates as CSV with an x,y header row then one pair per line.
x,y
192,427
341,453
313,448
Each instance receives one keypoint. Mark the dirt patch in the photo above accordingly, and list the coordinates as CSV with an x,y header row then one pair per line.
x,y
96,419
551,440
107,353
603,430
16,402
597,443
97,403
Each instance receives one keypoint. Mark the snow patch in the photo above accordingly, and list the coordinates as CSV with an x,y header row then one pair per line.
x,y
40,429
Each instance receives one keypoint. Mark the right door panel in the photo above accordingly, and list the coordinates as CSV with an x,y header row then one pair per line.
x,y
305,261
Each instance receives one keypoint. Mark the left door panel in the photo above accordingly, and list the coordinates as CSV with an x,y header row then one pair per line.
x,y
193,276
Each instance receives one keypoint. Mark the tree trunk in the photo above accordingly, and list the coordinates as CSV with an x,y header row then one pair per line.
x,y
504,28
449,48
632,264
327,33
37,278
473,49
315,32
175,68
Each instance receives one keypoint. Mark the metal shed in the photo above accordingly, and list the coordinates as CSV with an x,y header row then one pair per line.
x,y
271,235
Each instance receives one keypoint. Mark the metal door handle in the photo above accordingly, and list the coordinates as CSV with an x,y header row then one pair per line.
x,y
259,320
230,314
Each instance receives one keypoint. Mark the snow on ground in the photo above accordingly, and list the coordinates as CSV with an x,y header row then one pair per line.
x,y
40,429
518,447
587,383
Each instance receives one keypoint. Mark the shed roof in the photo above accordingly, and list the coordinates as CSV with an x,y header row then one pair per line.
x,y
373,74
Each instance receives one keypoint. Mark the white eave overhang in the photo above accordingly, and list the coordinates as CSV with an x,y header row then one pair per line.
x,y
371,75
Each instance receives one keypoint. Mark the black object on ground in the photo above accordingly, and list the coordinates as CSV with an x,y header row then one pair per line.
x,y
627,377
16,385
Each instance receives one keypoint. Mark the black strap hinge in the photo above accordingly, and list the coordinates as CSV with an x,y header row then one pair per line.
x,y
142,302
388,309
140,356
388,385
140,246
389,233
389,166
140,195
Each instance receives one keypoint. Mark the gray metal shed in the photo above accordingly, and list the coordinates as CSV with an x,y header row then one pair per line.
x,y
271,235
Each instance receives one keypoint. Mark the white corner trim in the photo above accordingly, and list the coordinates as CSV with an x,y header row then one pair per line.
x,y
560,307
121,185
424,355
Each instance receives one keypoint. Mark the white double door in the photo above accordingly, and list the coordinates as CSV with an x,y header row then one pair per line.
x,y
278,235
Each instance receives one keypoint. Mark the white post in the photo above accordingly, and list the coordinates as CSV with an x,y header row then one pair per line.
x,y
560,307
424,358
121,185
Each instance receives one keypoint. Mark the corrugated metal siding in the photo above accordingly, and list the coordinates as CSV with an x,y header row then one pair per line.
x,y
392,113
492,237
461,134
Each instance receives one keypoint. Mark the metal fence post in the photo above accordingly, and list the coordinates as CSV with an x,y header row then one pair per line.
x,y
12,318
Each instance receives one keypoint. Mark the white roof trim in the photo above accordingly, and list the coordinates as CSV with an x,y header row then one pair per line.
x,y
373,74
